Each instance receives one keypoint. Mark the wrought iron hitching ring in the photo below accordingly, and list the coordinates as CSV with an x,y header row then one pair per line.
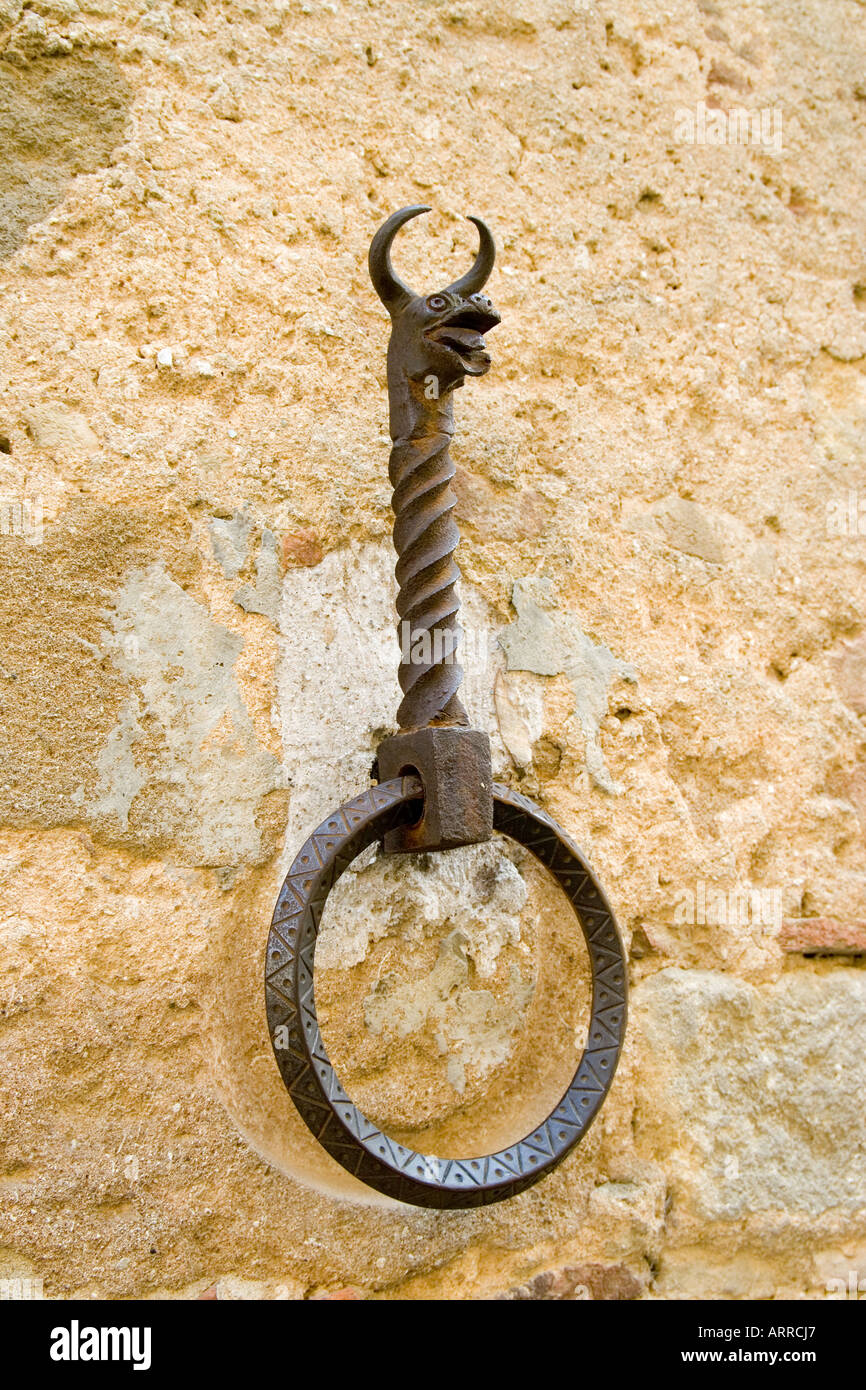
x,y
340,1127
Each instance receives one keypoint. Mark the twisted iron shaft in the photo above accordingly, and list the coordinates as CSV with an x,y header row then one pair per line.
x,y
425,538
436,342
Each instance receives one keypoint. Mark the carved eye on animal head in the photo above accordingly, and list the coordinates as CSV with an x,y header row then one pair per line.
x,y
440,334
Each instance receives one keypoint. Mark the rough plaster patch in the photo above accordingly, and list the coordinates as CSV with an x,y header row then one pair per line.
x,y
210,771
545,640
849,670
837,392
689,527
264,596
756,1126
710,535
480,891
471,1025
519,700
59,117
61,432
120,780
338,689
230,540
338,693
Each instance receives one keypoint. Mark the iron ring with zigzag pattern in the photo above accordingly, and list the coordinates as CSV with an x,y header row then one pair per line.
x,y
340,1127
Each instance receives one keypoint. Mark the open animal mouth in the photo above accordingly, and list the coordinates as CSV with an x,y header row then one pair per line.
x,y
463,334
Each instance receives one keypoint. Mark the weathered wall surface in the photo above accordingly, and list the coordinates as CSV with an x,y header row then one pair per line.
x,y
663,502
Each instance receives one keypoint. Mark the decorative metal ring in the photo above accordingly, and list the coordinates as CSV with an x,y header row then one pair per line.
x,y
340,1127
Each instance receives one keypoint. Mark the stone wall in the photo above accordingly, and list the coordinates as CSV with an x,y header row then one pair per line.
x,y
662,496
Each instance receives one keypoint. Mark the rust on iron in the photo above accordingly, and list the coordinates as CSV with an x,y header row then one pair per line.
x,y
454,766
358,1144
434,783
437,340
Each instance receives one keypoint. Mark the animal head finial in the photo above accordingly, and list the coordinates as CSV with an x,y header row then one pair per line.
x,y
437,334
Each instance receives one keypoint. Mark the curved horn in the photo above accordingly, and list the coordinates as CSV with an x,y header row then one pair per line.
x,y
476,278
387,284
